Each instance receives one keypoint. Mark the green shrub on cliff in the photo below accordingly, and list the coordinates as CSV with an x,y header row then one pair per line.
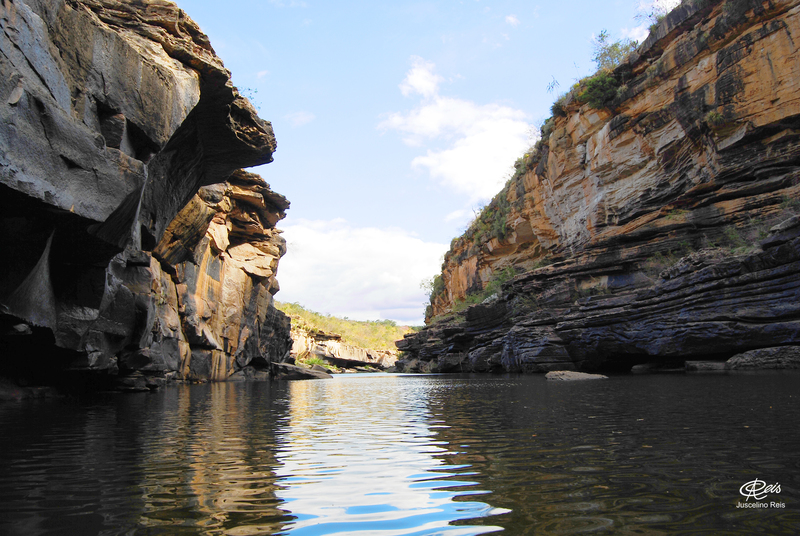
x,y
434,286
599,90
493,286
714,119
608,55
558,107
491,222
312,360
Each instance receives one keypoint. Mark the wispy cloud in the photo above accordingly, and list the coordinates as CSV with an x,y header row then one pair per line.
x,y
262,74
512,20
469,147
362,272
298,119
456,215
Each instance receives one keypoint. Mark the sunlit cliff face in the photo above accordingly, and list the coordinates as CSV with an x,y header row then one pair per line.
x,y
709,94
650,231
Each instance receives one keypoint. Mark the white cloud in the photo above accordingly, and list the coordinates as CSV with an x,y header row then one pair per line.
x,y
469,147
512,20
298,119
648,8
420,79
360,272
262,74
638,33
648,11
662,5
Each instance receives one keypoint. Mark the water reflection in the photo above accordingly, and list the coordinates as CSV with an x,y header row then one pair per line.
x,y
188,460
210,463
632,455
407,455
361,455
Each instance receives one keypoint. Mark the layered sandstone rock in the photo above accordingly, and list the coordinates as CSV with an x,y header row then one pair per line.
x,y
131,241
331,348
695,158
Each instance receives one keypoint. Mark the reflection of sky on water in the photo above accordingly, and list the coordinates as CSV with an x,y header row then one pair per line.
x,y
631,455
361,456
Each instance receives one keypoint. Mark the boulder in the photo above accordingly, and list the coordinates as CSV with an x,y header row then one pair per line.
x,y
284,371
706,366
571,375
780,357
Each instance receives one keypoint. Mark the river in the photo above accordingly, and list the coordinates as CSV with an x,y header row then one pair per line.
x,y
410,455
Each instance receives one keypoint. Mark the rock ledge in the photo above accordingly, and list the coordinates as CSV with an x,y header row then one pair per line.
x,y
570,375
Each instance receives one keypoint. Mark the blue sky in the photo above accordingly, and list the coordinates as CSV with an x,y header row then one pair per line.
x,y
395,121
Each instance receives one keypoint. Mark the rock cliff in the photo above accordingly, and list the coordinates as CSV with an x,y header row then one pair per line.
x,y
133,243
333,350
658,227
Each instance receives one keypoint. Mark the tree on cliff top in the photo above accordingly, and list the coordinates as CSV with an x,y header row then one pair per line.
x,y
608,55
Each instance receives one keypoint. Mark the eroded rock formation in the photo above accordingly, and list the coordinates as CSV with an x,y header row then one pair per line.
x,y
655,230
330,348
132,241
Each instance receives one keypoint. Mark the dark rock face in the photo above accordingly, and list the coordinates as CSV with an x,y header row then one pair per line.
x,y
711,304
726,307
127,230
669,219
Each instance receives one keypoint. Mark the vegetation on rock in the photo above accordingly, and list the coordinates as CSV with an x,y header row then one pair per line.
x,y
309,360
608,55
373,334
599,90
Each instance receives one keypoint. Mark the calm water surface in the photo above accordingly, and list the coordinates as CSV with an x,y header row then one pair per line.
x,y
408,455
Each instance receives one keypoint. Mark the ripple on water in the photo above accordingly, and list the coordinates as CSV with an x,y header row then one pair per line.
x,y
406,455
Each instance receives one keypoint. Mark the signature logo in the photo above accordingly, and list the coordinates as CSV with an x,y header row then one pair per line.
x,y
758,489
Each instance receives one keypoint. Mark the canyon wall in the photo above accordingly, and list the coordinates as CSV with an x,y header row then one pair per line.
x,y
134,245
656,228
